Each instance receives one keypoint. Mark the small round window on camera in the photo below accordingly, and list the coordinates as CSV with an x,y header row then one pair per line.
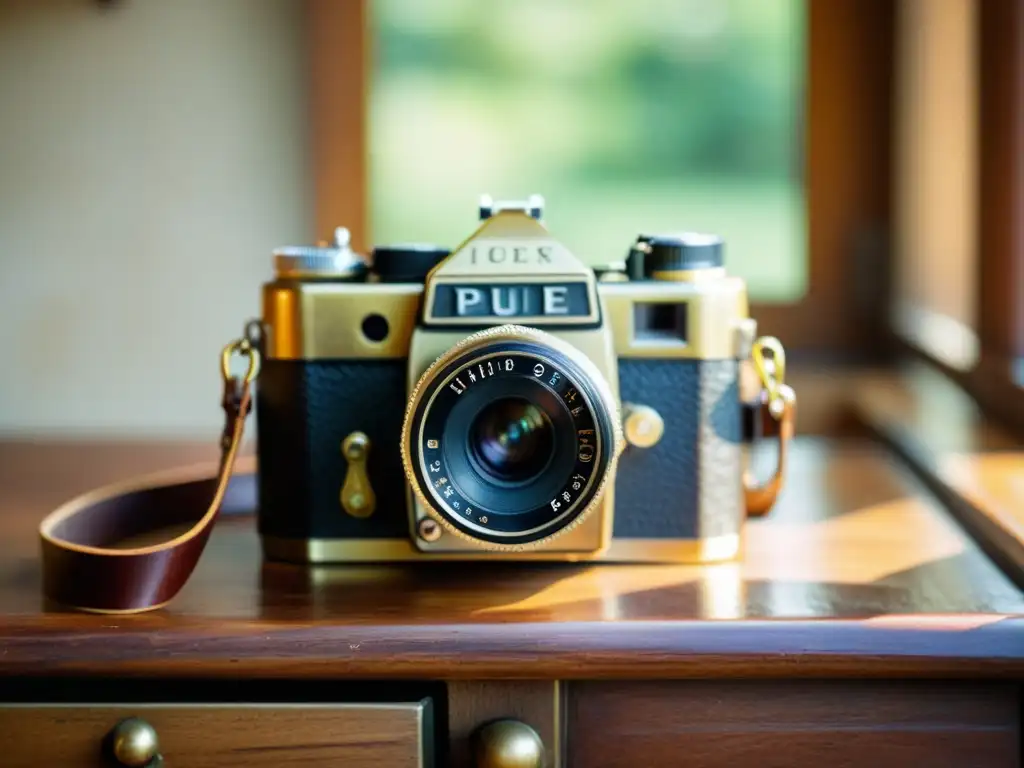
x,y
375,327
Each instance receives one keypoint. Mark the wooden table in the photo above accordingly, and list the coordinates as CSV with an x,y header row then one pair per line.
x,y
861,627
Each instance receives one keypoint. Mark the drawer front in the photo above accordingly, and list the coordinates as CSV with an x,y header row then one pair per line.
x,y
838,724
224,736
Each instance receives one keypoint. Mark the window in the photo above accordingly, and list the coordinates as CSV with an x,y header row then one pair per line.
x,y
629,116
767,121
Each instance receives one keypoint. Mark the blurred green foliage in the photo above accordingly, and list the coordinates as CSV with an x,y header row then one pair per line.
x,y
627,115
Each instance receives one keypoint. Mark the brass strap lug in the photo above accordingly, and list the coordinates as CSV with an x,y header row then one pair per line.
x,y
781,400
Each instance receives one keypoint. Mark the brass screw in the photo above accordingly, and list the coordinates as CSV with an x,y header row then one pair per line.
x,y
428,529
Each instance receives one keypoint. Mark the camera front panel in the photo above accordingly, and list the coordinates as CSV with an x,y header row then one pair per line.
x,y
335,367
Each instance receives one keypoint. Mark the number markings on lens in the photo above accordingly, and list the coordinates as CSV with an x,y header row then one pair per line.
x,y
508,364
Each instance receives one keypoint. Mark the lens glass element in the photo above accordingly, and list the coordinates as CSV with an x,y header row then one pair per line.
x,y
512,439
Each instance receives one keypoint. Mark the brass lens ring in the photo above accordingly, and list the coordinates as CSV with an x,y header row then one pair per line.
x,y
436,439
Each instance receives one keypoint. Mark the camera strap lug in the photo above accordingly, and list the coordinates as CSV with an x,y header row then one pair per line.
x,y
781,403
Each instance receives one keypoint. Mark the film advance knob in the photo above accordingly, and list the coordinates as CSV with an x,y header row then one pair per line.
x,y
331,261
677,256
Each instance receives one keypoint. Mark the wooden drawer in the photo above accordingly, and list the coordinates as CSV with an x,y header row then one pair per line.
x,y
225,736
792,724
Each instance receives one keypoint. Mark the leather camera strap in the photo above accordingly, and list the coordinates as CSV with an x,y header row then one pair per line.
x,y
86,564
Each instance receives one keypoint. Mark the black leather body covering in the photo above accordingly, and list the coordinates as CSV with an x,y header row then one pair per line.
x,y
689,484
686,486
305,410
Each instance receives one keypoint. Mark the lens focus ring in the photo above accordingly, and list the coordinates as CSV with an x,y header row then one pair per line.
x,y
510,437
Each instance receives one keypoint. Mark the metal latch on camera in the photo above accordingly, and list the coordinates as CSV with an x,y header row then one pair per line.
x,y
357,496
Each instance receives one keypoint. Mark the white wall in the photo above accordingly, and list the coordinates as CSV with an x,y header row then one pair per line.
x,y
151,156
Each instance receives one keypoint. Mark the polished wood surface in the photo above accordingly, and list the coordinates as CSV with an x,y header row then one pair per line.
x,y
857,572
975,465
993,484
257,736
841,725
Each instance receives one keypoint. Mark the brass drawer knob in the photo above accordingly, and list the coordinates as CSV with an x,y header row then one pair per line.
x,y
134,743
507,744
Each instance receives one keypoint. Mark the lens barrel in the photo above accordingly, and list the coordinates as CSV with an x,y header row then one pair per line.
x,y
510,437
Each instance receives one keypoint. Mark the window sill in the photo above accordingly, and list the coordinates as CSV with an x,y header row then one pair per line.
x,y
973,465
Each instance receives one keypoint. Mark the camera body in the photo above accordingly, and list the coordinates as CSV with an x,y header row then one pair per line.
x,y
384,386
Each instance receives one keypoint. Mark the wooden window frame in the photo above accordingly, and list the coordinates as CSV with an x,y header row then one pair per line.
x,y
1000,201
1000,240
846,156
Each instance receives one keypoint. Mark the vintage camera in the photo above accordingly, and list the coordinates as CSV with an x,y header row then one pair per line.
x,y
503,399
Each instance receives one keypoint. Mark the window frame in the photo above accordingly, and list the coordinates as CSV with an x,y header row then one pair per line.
x,y
999,263
1000,196
847,152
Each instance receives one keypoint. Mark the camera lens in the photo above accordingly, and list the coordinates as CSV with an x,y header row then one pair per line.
x,y
510,436
512,439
